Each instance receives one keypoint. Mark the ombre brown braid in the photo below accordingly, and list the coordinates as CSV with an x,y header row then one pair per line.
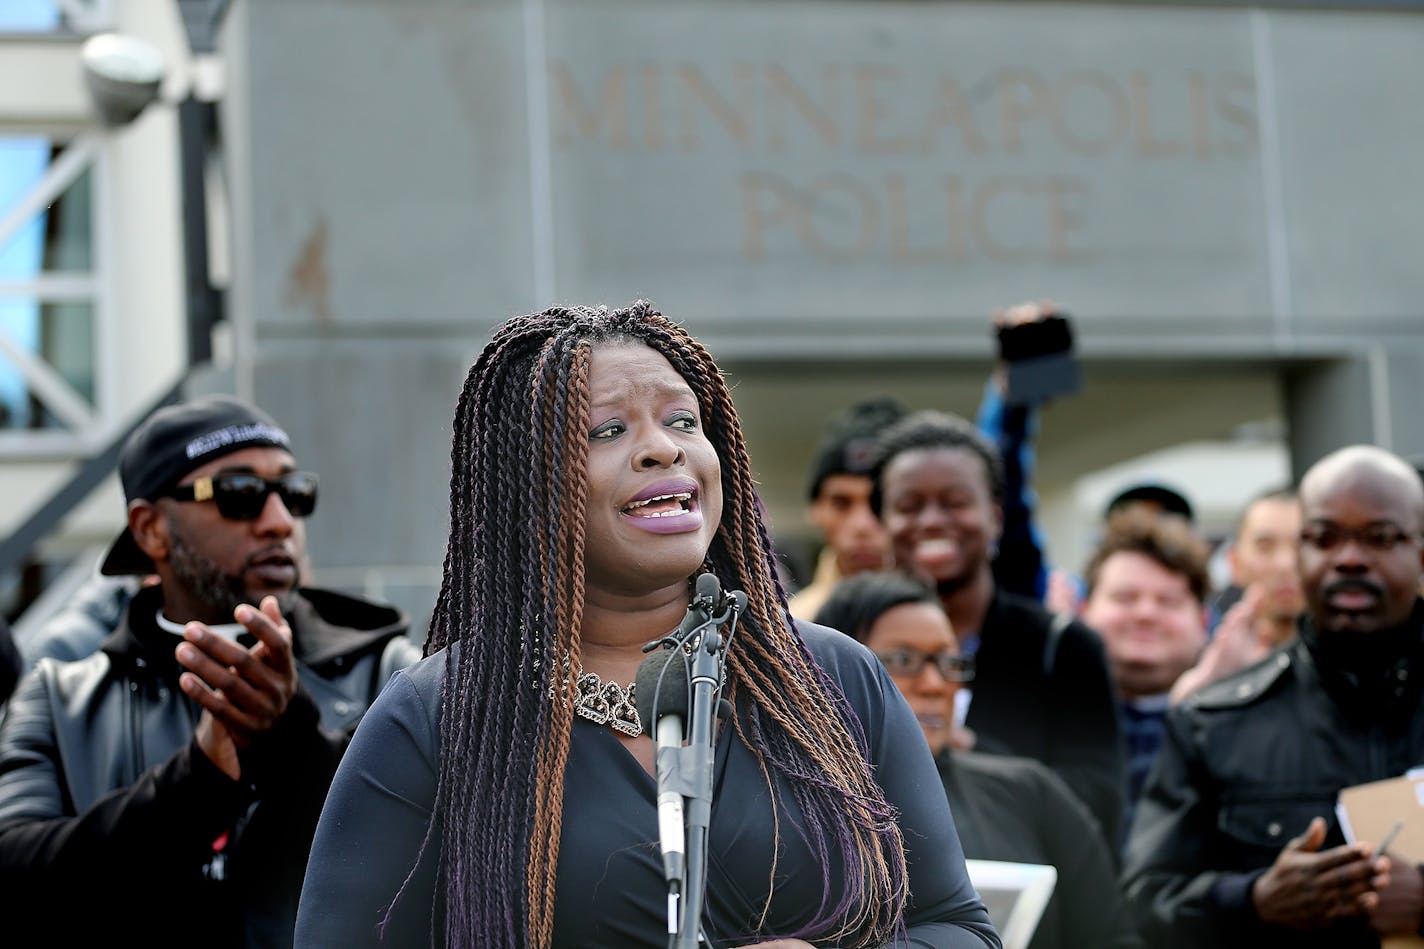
x,y
511,602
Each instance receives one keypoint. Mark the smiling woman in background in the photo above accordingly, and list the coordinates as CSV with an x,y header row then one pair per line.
x,y
598,468
1006,808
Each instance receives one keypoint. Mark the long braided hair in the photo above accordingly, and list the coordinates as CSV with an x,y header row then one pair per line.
x,y
512,599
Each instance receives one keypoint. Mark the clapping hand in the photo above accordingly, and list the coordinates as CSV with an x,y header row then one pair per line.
x,y
243,691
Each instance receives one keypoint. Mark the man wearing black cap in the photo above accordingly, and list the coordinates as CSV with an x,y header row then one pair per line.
x,y
166,788
839,501
1157,498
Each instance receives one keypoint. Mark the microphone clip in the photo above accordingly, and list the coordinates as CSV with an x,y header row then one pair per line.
x,y
709,610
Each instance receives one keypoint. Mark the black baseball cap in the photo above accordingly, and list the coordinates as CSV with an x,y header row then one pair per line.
x,y
172,442
1169,500
848,446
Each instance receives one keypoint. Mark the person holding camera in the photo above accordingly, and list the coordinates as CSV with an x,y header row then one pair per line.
x,y
1035,364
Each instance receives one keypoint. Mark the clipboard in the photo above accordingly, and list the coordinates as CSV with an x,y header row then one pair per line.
x,y
1368,812
1015,894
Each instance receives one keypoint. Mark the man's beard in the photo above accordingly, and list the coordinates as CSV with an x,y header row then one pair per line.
x,y
205,581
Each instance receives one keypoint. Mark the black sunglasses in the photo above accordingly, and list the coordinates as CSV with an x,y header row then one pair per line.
x,y
241,496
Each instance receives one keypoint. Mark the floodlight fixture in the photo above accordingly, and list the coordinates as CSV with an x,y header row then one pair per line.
x,y
122,74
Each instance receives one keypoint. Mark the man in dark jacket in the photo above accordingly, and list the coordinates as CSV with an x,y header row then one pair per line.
x,y
165,789
1236,842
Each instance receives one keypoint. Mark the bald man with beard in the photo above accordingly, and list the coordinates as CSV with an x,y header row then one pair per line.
x,y
1235,842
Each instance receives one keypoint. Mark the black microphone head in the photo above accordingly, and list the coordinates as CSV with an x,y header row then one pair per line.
x,y
739,598
709,588
673,692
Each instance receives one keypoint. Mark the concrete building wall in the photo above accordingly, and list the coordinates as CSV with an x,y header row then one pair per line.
x,y
832,195
811,178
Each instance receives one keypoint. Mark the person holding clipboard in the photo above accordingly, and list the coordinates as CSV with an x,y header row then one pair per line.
x,y
1236,841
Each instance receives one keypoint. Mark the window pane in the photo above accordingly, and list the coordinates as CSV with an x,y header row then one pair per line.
x,y
29,16
59,238
62,336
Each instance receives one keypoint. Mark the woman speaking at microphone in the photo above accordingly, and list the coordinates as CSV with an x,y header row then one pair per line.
x,y
500,793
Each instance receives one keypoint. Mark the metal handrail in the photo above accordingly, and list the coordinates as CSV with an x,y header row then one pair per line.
x,y
16,548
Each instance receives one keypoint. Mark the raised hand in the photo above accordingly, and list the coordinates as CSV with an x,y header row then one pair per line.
x,y
1236,644
1061,596
1022,313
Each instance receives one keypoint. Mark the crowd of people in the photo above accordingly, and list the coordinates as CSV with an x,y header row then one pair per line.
x,y
210,748
1236,715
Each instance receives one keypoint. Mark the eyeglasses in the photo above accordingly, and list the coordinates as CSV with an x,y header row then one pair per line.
x,y
241,496
909,663
1378,538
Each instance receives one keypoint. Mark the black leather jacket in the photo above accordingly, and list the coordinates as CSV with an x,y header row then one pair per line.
x,y
1246,763
10,664
112,819
79,627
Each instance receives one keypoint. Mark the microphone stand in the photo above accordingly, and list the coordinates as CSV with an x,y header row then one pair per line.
x,y
689,768
708,658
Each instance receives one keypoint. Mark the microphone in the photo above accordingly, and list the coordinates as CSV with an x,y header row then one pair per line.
x,y
678,697
709,589
705,603
699,612
662,679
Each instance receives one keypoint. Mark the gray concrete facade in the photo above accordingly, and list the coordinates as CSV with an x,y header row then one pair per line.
x,y
828,189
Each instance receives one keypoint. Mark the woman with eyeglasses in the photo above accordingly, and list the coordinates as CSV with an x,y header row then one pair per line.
x,y
501,793
1005,808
